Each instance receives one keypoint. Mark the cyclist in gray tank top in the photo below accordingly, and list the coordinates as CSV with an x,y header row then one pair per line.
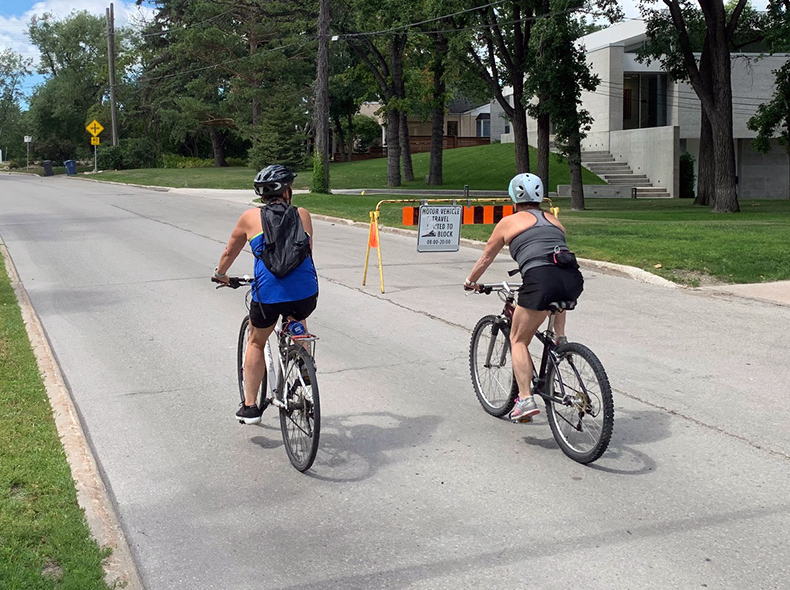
x,y
534,246
532,237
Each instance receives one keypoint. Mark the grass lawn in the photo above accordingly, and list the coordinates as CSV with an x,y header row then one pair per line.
x,y
487,167
44,539
691,244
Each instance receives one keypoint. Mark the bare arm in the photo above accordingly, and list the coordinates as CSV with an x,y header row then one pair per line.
x,y
307,223
235,245
495,243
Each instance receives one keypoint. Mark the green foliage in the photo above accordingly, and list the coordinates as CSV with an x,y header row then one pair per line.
x,y
55,149
281,138
318,184
176,161
110,158
139,153
686,176
367,132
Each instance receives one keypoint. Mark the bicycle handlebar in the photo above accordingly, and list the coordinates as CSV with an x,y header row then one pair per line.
x,y
233,282
488,288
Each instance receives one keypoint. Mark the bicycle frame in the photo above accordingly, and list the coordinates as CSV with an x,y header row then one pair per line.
x,y
507,293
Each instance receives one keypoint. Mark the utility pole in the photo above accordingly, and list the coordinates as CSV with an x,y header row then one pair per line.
x,y
321,117
111,56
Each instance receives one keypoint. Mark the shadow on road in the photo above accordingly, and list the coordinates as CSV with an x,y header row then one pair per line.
x,y
354,447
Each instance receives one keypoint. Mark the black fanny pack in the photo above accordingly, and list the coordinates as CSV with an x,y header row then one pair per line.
x,y
563,258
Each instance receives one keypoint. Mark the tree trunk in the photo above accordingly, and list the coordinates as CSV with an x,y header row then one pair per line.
x,y
350,137
544,127
217,146
575,166
321,114
520,138
726,195
725,198
706,170
405,148
393,147
440,48
341,139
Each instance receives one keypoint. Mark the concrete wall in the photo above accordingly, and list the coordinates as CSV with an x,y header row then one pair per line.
x,y
654,152
605,104
763,176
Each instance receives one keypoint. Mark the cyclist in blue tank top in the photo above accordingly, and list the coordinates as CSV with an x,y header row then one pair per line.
x,y
294,295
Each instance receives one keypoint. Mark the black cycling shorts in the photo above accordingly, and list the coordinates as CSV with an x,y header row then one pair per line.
x,y
263,315
547,284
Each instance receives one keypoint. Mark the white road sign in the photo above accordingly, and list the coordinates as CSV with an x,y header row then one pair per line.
x,y
28,138
440,228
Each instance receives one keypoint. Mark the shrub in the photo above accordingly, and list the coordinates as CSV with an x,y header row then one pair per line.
x,y
110,158
55,150
686,176
318,185
176,161
13,164
236,162
139,153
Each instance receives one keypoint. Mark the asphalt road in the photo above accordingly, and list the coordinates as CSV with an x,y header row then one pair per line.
x,y
414,485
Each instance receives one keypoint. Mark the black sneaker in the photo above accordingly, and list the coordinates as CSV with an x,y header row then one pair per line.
x,y
249,414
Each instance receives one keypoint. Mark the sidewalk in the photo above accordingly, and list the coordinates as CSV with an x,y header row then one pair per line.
x,y
777,292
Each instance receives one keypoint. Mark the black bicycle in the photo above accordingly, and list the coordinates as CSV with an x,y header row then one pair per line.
x,y
570,379
291,384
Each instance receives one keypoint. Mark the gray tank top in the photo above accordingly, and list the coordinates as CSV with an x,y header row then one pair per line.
x,y
532,247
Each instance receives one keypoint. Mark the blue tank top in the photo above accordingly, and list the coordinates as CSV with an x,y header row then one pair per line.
x,y
301,283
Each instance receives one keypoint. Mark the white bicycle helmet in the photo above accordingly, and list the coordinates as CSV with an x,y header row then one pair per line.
x,y
526,188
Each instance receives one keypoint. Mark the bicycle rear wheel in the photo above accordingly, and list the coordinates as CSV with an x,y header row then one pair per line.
x,y
241,352
491,366
300,419
581,412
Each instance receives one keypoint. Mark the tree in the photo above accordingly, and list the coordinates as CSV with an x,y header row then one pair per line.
x,y
712,84
557,74
773,118
13,70
498,53
74,59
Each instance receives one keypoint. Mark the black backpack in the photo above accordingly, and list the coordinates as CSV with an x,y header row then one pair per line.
x,y
286,244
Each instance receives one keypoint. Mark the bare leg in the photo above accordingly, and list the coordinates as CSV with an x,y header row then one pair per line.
x,y
255,363
559,324
525,323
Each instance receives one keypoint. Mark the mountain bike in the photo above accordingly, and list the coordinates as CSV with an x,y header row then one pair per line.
x,y
569,377
290,385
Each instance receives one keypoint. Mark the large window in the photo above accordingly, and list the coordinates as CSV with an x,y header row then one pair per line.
x,y
483,124
644,101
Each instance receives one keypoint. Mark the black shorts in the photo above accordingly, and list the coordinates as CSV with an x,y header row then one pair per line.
x,y
546,284
263,315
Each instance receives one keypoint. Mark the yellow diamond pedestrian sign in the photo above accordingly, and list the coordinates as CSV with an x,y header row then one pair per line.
x,y
94,128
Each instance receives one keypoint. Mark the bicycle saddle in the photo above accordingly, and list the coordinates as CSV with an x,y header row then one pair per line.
x,y
556,306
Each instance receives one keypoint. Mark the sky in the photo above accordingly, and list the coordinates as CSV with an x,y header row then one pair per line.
x,y
15,16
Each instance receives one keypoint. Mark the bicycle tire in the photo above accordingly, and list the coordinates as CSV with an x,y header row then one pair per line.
x,y
495,385
581,412
300,421
241,351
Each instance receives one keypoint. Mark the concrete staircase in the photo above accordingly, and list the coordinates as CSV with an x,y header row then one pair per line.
x,y
619,173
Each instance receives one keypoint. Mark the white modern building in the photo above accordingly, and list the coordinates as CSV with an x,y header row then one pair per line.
x,y
644,121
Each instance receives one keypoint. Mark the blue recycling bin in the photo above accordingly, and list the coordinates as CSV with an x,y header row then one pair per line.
x,y
71,167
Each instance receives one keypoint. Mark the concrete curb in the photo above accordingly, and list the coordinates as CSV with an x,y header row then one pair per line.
x,y
120,569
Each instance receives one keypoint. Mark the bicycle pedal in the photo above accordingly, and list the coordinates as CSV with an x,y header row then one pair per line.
x,y
524,420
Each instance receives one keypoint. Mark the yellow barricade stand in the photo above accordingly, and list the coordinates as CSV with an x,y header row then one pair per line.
x,y
373,234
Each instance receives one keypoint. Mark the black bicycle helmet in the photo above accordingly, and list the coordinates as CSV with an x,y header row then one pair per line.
x,y
273,180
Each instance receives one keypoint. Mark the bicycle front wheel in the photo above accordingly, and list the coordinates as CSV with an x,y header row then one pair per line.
x,y
300,419
491,366
581,411
241,353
